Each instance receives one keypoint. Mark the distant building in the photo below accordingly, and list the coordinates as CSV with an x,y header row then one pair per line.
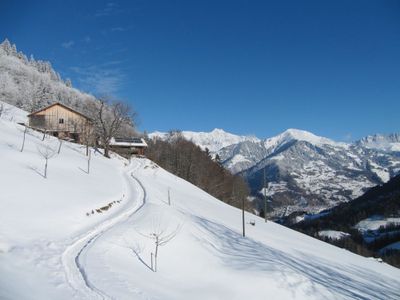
x,y
61,121
128,146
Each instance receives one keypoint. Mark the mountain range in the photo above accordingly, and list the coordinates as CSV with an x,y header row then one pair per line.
x,y
303,171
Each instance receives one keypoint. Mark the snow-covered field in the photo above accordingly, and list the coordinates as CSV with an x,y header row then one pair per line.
x,y
333,234
51,249
373,223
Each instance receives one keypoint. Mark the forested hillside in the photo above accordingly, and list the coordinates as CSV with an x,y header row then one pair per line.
x,y
188,161
32,84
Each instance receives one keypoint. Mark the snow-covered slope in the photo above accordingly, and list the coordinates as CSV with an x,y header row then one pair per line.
x,y
53,247
41,217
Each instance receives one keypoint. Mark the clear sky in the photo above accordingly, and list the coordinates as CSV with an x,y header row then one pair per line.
x,y
249,67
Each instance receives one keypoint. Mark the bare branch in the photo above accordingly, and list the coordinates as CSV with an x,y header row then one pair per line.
x,y
111,117
47,152
160,235
3,110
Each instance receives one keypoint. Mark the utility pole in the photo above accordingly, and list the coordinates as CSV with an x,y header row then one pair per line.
x,y
243,221
265,197
88,161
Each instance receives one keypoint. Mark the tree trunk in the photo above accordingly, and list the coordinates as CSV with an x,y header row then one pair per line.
x,y
155,255
45,169
243,221
106,151
59,146
265,196
23,141
88,162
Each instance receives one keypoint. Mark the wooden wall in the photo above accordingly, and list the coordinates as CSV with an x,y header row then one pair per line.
x,y
59,118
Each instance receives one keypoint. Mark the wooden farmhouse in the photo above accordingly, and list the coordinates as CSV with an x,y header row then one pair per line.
x,y
62,121
128,146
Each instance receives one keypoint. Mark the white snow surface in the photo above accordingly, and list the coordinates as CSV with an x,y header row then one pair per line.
x,y
238,159
213,141
13,114
218,139
50,248
299,135
128,144
373,223
333,234
382,142
382,173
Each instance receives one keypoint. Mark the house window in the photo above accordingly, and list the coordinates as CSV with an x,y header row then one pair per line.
x,y
61,121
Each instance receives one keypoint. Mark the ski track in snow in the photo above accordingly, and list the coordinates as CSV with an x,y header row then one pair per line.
x,y
75,272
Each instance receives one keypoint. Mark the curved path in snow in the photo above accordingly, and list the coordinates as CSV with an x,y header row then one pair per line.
x,y
71,258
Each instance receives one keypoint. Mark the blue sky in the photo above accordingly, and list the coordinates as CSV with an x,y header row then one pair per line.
x,y
249,67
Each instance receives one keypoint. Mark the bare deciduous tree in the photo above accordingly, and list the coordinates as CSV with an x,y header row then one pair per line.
x,y
60,141
110,119
47,152
44,134
137,249
23,141
161,236
88,137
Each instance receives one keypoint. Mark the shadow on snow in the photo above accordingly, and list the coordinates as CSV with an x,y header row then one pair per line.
x,y
246,254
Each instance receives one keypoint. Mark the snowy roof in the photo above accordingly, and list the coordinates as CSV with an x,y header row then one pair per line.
x,y
128,142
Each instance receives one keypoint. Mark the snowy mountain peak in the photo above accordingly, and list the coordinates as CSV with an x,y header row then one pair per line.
x,y
218,131
298,135
214,140
302,135
302,173
389,142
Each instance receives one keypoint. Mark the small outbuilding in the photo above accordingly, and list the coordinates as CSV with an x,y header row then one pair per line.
x,y
62,121
128,146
